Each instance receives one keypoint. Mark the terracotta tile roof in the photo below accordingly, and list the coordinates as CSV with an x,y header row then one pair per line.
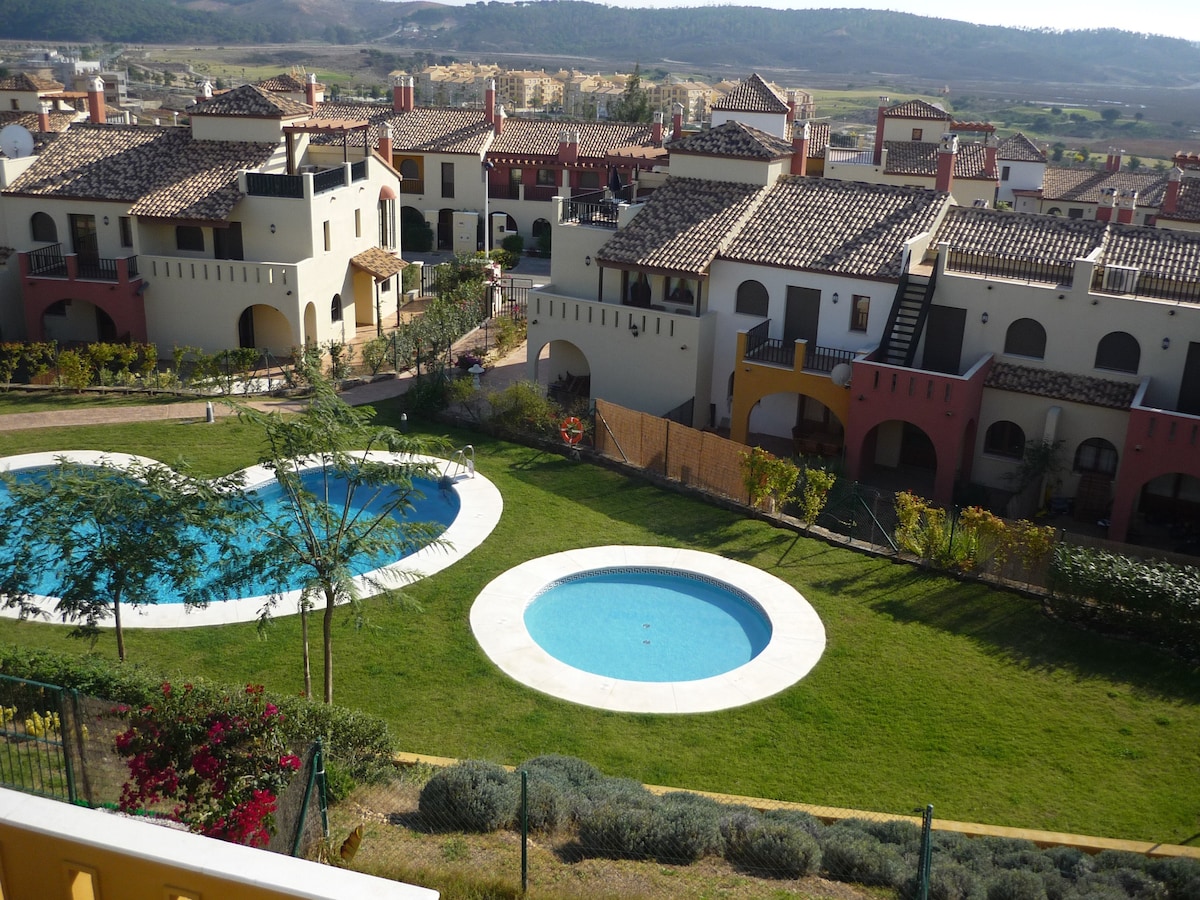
x,y
733,139
286,84
1050,240
380,263
1088,185
683,226
1061,385
1187,208
251,101
539,137
836,226
752,95
920,158
1018,148
160,172
421,130
24,82
59,121
916,109
1157,252
818,137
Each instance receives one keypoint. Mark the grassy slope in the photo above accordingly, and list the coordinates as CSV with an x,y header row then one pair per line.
x,y
930,690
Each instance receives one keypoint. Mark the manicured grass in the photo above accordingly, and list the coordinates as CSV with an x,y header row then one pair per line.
x,y
931,690
18,401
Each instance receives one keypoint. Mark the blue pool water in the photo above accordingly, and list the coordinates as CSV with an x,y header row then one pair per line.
x,y
647,625
431,503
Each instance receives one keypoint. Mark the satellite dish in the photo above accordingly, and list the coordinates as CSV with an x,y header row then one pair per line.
x,y
841,374
16,141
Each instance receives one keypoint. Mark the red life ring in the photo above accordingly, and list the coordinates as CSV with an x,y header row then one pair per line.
x,y
571,430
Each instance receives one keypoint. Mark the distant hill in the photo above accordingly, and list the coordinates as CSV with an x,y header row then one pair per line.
x,y
855,42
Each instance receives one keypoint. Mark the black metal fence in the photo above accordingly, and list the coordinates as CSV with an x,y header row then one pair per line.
x,y
1015,269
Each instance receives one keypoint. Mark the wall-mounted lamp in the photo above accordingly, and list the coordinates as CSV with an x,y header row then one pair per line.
x,y
1166,343
633,328
1170,312
984,318
862,396
289,293
533,322
1095,302
989,287
272,228
683,346
1062,296
835,297
106,220
587,260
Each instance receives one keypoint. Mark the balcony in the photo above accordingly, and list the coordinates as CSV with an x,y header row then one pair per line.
x,y
51,262
291,187
1122,281
1028,270
771,351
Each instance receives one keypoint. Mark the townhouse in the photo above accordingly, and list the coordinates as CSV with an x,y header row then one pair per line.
x,y
235,231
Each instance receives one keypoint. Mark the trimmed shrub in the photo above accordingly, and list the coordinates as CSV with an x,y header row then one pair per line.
x,y
850,855
1016,885
795,817
1180,875
1071,862
686,828
469,796
572,770
773,849
951,882
610,829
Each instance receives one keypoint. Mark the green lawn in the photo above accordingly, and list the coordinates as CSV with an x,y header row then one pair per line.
x,y
930,690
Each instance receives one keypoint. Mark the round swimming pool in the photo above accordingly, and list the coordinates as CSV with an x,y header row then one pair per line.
x,y
647,624
465,507
647,629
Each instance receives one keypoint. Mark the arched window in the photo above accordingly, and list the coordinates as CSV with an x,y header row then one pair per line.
x,y
1096,455
540,227
1119,352
1004,438
1026,337
43,228
1054,211
335,308
510,224
409,170
752,299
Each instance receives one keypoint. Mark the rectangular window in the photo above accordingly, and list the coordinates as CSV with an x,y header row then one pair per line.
x,y
860,308
385,286
189,237
917,133
1074,213
328,237
589,180
126,228
447,179
1004,172
545,178
358,223
227,242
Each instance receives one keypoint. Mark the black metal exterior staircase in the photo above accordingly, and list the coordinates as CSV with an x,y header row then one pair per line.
x,y
905,322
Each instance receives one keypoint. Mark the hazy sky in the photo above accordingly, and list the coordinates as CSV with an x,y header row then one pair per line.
x,y
1175,20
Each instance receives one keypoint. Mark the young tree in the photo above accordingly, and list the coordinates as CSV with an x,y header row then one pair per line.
x,y
99,537
634,105
346,485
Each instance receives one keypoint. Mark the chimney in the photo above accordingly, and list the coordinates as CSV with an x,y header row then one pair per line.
x,y
989,160
1104,211
1126,206
410,93
500,116
676,121
1170,201
656,129
791,102
489,101
385,142
44,122
310,91
883,105
568,146
1113,163
947,154
95,99
204,91
800,140
398,94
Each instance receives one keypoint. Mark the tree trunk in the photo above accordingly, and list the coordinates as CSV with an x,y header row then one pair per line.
x,y
117,626
327,636
304,640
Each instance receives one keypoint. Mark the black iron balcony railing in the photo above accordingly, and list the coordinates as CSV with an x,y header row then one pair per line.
x,y
328,180
51,262
1014,269
48,261
358,170
763,349
263,184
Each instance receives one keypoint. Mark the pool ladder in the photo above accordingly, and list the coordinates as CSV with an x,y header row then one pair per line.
x,y
462,461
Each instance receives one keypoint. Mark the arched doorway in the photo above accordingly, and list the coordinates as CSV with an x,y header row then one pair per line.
x,y
78,321
265,327
900,456
565,371
445,229
1168,513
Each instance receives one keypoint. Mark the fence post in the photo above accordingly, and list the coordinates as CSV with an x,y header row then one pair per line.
x,y
925,864
524,832
72,696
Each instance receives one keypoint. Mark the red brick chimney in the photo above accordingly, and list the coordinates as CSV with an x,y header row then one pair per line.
x,y
1170,201
883,105
44,119
385,142
489,102
568,147
989,159
398,95
1104,211
95,98
500,117
676,121
656,130
1113,163
801,135
946,157
1126,206
310,91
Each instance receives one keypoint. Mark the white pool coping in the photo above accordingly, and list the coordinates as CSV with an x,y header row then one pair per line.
x,y
479,513
797,634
